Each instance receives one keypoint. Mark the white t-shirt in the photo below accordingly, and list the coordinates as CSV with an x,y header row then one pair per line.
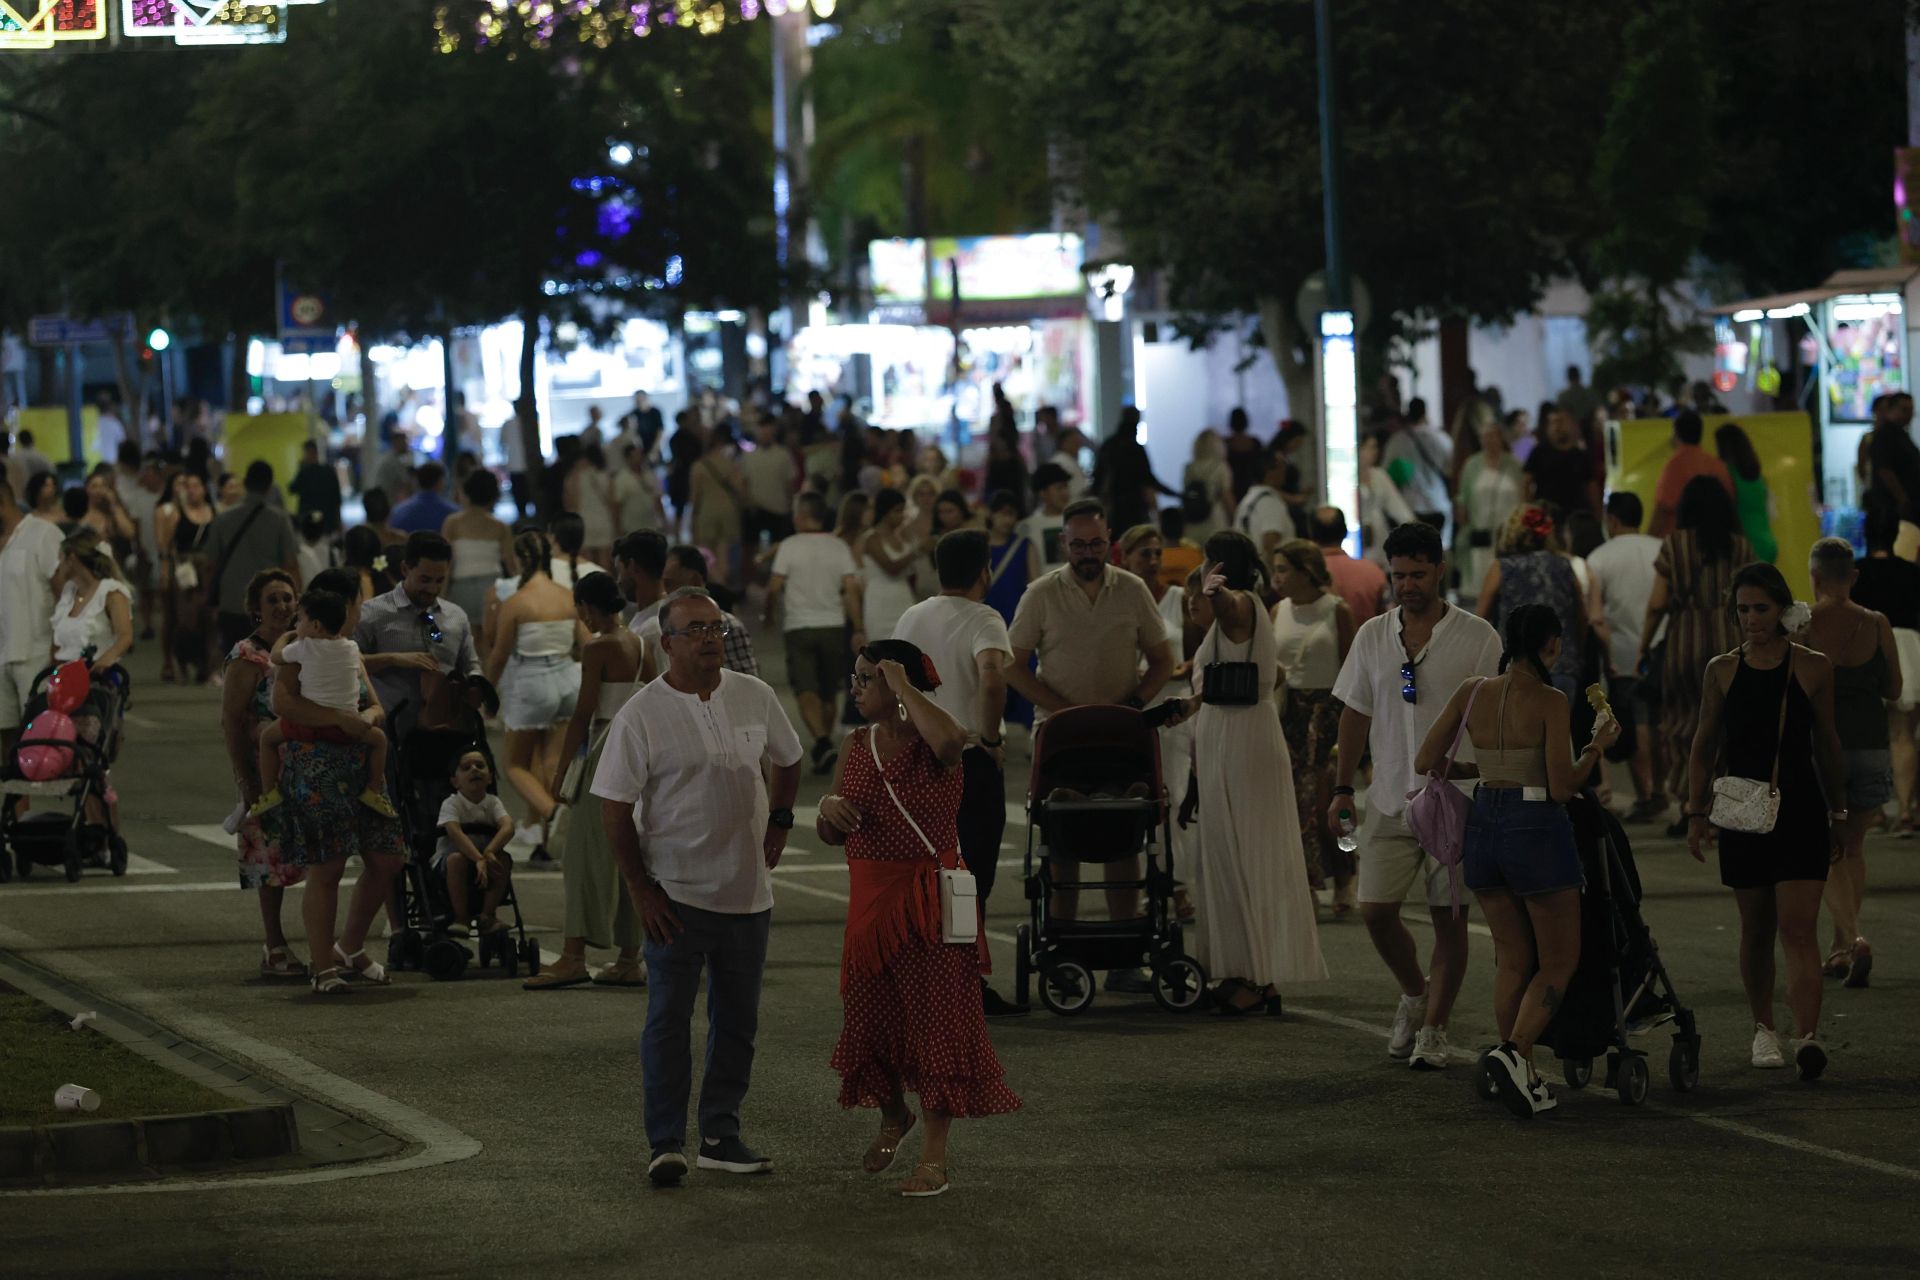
x,y
694,771
462,812
954,631
108,435
1043,531
1624,568
638,499
815,566
329,670
26,584
1261,512
1462,646
93,628
642,616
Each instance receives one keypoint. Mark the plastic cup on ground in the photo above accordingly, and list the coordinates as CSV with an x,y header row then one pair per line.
x,y
76,1097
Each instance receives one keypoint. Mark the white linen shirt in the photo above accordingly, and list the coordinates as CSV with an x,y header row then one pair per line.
x,y
1462,646
693,769
954,631
26,585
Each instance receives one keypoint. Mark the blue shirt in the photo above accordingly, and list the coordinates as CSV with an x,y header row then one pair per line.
x,y
424,510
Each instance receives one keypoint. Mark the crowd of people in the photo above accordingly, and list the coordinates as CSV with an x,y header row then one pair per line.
x,y
930,614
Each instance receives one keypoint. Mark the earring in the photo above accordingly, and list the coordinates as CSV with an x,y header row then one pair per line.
x,y
901,707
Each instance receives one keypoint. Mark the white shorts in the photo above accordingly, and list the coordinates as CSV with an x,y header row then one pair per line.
x,y
1391,859
16,679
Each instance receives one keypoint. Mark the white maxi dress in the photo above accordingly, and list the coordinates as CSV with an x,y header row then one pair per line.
x,y
1256,909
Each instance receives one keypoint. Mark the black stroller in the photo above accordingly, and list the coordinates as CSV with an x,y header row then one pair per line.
x,y
63,836
1096,797
1620,990
422,766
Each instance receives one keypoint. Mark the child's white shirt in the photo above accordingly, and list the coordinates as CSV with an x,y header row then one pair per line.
x,y
460,811
329,670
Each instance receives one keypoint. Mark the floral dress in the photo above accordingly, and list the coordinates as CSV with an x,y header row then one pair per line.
x,y
912,1002
321,820
261,865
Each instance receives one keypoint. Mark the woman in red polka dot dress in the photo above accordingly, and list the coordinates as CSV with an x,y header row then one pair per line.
x,y
913,1019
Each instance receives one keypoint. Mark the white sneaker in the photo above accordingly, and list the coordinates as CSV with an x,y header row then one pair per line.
x,y
1809,1058
1429,1049
1541,1099
1512,1076
1406,1020
232,824
1766,1048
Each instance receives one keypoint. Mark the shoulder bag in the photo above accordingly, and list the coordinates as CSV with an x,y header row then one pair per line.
x,y
1232,684
1437,811
959,894
1748,804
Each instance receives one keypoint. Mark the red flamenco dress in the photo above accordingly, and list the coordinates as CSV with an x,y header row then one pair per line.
x,y
913,1019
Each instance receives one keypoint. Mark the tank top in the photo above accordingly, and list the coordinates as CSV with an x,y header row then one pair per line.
x,y
544,639
1308,642
613,696
1859,713
1515,766
187,534
476,558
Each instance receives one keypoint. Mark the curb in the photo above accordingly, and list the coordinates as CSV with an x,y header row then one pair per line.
x,y
58,1154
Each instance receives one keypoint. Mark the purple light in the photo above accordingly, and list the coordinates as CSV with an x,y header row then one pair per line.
x,y
588,259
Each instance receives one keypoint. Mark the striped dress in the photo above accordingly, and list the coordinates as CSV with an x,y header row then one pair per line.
x,y
1699,629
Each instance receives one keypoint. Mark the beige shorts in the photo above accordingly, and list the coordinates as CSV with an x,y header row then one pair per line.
x,y
16,678
1391,859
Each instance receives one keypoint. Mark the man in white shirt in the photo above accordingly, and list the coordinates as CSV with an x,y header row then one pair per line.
x,y
1426,449
1403,668
109,432
1053,491
1623,578
639,566
1262,515
636,494
967,643
814,571
32,461
27,564
696,828
771,477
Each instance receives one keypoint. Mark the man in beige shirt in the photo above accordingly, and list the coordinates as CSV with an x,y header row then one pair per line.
x,y
1091,623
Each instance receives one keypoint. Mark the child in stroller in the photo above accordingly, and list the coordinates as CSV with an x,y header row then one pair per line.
x,y
89,832
474,830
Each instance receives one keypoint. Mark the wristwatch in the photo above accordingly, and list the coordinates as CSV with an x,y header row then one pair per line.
x,y
1837,815
782,818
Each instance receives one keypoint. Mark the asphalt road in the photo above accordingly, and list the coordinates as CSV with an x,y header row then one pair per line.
x,y
1150,1144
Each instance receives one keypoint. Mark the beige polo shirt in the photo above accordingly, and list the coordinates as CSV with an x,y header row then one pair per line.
x,y
1089,649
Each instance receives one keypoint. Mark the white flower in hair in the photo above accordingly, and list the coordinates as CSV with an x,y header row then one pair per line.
x,y
1796,617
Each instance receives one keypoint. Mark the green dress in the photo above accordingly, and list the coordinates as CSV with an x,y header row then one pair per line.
x,y
1750,497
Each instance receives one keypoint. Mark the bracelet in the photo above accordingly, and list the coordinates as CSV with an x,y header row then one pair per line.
x,y
1343,791
992,744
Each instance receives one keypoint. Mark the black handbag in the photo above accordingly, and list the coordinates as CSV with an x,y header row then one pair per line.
x,y
1231,684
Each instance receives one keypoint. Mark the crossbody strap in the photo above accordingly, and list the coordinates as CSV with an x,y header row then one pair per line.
x,y
1780,733
1461,732
1013,549
881,770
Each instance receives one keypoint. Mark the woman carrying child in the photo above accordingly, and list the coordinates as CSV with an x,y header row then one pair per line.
x,y
474,830
600,912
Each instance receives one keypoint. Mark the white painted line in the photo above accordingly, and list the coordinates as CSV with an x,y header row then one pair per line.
x,y
439,1143
209,832
59,885
139,866
140,721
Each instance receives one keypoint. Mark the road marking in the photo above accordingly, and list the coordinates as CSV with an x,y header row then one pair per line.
x,y
439,1143
139,866
210,832
141,722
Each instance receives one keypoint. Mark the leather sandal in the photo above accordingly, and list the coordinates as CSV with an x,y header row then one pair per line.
x,y
372,971
622,973
328,982
553,979
880,1153
919,1188
277,962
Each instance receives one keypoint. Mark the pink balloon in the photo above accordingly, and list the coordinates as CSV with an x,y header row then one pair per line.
x,y
68,687
44,763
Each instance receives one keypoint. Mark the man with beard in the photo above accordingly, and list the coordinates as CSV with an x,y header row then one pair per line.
x,y
1091,623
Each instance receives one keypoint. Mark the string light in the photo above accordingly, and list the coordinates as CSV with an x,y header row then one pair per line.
x,y
538,23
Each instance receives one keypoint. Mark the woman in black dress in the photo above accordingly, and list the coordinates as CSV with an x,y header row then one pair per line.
x,y
1778,876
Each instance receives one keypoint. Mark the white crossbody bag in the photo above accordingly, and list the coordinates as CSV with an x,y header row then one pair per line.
x,y
1749,804
959,895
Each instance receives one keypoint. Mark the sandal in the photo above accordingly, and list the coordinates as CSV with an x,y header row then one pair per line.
x,y
919,1188
372,971
880,1153
1837,963
562,976
276,962
1860,966
328,982
1226,989
622,973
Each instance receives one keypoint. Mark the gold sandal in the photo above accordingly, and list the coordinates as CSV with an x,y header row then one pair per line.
x,y
884,1151
924,1191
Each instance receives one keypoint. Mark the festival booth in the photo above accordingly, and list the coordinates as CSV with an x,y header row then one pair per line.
x,y
273,438
1638,448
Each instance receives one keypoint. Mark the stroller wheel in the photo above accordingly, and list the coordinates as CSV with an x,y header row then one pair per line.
x,y
1022,965
73,856
1179,985
530,952
1633,1080
509,961
117,854
1578,1072
446,959
1683,1065
1066,987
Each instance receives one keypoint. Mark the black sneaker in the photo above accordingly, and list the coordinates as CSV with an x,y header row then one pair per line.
x,y
824,754
540,859
994,1006
733,1156
669,1167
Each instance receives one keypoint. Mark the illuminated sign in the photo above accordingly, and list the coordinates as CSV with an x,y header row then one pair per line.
x,y
200,22
1340,418
38,24
898,270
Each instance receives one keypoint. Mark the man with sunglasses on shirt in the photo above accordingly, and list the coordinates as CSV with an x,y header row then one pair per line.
x,y
411,631
1402,669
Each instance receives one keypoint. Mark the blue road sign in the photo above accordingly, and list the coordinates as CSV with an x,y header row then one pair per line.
x,y
61,331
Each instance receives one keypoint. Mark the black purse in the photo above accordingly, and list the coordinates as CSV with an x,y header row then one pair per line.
x,y
1231,684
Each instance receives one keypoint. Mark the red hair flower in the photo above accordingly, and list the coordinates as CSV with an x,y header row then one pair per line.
x,y
1537,522
933,676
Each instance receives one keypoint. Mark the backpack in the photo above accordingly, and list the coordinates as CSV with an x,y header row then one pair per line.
x,y
1437,811
1196,501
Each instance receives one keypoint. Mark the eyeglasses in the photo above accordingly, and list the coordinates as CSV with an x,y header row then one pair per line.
x,y
858,681
1408,690
434,633
1095,547
701,630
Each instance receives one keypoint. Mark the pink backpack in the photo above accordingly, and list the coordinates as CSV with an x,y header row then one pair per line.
x,y
1437,812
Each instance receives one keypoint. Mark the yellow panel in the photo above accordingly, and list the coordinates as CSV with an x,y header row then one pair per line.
x,y
49,427
273,438
1784,442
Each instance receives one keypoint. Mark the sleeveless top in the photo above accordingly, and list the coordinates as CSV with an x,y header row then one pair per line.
x,y
1859,712
1752,734
1516,766
544,639
613,696
187,535
1307,642
476,558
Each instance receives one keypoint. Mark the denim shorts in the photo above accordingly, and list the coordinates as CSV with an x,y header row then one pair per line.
x,y
538,693
1523,846
1869,778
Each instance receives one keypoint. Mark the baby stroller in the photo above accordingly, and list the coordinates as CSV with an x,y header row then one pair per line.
x,y
63,836
1095,796
1620,989
422,766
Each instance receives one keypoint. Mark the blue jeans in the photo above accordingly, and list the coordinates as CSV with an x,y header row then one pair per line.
x,y
734,950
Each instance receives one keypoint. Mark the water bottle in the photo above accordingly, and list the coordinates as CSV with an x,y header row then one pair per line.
x,y
1346,839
